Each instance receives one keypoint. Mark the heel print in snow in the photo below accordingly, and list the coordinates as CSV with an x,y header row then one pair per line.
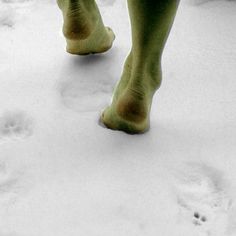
x,y
203,199
14,125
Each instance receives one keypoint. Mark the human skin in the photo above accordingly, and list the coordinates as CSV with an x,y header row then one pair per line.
x,y
151,21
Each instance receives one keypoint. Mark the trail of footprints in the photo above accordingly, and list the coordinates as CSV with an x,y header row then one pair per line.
x,y
203,199
14,181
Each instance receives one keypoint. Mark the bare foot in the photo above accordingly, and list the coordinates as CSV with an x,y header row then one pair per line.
x,y
131,104
83,28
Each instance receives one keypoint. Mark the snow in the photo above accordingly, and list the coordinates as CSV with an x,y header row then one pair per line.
x,y
61,173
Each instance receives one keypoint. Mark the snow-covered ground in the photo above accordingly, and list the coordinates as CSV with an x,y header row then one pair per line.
x,y
61,174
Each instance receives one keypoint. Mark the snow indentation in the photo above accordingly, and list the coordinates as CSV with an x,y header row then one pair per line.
x,y
203,198
87,87
79,97
15,124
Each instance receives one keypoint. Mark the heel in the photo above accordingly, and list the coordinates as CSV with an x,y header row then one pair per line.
x,y
76,47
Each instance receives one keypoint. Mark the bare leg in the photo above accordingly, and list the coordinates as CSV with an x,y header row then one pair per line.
x,y
151,21
83,27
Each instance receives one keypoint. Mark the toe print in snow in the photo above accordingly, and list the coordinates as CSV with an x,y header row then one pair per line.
x,y
15,125
203,199
198,219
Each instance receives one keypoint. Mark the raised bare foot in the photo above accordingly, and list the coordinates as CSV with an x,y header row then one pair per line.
x,y
83,28
131,104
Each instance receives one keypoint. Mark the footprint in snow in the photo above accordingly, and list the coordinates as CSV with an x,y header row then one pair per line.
x,y
203,198
83,97
86,84
15,124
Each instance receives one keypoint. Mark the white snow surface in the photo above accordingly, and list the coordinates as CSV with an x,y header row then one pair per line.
x,y
62,174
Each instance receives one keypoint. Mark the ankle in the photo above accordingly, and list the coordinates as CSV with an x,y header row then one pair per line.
x,y
145,83
146,71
